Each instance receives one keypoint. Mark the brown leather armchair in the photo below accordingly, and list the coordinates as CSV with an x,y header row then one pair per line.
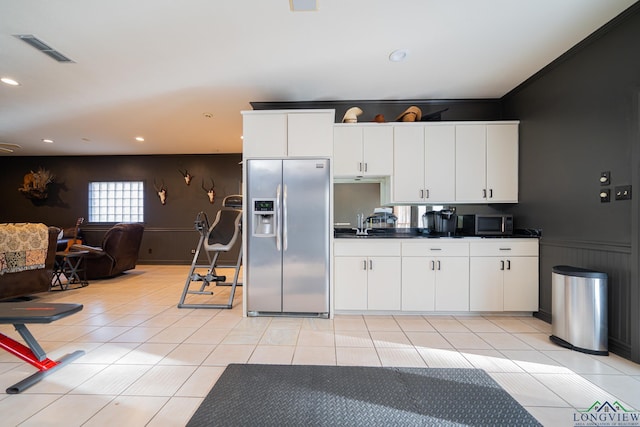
x,y
118,252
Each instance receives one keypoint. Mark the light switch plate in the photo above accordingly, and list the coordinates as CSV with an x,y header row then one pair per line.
x,y
623,192
605,195
605,178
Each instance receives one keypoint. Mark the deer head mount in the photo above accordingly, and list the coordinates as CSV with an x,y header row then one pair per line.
x,y
35,184
211,193
186,175
161,192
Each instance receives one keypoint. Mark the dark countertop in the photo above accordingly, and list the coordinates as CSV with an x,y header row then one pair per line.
x,y
412,233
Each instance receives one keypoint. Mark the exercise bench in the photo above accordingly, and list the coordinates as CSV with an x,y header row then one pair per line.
x,y
19,314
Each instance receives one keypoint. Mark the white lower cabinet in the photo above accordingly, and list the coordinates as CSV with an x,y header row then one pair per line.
x,y
504,275
447,275
367,275
435,276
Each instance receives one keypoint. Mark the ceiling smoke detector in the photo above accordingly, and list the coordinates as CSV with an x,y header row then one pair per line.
x,y
398,55
208,115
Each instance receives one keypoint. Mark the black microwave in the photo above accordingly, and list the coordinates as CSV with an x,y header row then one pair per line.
x,y
487,225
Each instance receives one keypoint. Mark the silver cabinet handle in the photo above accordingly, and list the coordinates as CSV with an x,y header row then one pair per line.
x,y
370,265
360,167
508,264
364,264
366,166
491,193
435,249
422,194
427,193
433,265
501,265
505,249
484,193
438,264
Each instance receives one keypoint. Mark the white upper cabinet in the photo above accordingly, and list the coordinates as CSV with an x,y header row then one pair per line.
x,y
487,163
424,163
408,164
362,150
502,162
290,133
471,172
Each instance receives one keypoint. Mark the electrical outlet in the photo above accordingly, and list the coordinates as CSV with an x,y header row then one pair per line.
x,y
605,178
623,192
149,250
605,195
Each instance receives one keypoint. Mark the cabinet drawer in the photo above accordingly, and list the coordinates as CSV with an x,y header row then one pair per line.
x,y
504,247
366,248
441,248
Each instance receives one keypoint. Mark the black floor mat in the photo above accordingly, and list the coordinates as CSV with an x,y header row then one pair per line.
x,y
295,395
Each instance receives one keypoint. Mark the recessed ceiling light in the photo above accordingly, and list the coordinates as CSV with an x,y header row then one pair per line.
x,y
9,81
139,139
48,141
208,115
398,55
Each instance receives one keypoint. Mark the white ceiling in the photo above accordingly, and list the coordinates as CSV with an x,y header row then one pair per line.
x,y
154,67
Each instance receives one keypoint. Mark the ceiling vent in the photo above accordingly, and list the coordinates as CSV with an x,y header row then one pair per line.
x,y
303,5
42,47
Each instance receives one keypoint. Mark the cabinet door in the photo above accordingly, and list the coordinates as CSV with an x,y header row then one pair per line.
x,y
452,284
350,283
347,151
418,284
471,163
264,135
408,164
310,134
521,284
377,150
384,275
502,163
440,163
486,289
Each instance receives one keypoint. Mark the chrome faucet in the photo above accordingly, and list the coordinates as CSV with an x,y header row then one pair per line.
x,y
361,230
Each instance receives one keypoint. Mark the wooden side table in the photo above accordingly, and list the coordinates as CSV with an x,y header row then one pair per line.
x,y
68,264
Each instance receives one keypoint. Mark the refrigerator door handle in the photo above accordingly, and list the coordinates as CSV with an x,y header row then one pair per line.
x,y
284,219
278,218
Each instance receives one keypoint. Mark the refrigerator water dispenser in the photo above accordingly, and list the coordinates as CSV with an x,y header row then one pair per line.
x,y
264,217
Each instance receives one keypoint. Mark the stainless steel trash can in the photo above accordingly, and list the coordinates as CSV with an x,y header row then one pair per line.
x,y
579,309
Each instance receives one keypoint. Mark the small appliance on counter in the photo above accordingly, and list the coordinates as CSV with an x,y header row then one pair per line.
x,y
487,225
440,223
382,218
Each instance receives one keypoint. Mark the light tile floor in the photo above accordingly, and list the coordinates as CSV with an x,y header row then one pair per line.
x,y
148,363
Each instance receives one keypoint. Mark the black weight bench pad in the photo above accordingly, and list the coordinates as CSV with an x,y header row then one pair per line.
x,y
33,312
21,313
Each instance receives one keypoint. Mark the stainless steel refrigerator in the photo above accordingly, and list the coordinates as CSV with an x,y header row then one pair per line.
x,y
288,235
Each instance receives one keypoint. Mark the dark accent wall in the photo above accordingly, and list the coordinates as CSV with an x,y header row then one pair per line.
x,y
449,109
169,234
578,118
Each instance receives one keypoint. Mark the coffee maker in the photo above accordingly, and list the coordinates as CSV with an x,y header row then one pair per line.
x,y
441,223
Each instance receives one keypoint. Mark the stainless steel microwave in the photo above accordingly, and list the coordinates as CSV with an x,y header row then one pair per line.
x,y
487,225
